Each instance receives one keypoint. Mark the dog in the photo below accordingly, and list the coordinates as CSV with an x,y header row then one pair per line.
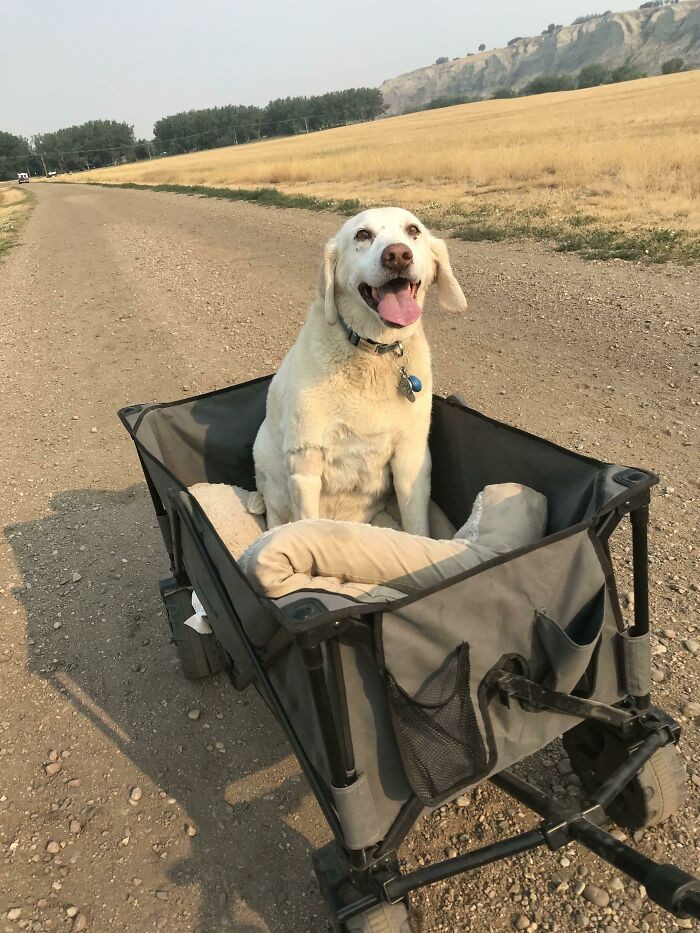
x,y
348,411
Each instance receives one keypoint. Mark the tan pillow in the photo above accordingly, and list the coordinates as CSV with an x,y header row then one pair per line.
x,y
226,508
360,560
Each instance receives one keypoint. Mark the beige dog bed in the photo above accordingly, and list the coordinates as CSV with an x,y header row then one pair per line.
x,y
370,562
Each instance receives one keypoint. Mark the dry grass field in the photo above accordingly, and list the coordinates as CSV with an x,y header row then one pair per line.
x,y
623,157
14,203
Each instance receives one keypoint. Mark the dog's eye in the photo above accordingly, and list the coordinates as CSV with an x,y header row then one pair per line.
x,y
412,230
363,234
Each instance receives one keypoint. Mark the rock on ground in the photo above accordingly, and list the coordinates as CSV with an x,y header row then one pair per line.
x,y
115,297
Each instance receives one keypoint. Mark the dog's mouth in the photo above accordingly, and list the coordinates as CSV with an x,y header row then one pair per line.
x,y
394,302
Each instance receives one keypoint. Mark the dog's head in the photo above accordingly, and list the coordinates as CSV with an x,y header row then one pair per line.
x,y
377,269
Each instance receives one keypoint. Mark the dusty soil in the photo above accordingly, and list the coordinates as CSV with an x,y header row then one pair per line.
x,y
117,810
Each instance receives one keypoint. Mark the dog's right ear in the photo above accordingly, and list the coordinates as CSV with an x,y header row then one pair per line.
x,y
326,281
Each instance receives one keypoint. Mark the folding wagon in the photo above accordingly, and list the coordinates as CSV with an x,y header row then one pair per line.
x,y
395,707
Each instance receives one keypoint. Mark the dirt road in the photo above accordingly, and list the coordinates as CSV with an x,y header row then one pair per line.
x,y
118,811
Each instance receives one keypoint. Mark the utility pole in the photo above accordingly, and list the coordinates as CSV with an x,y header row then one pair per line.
x,y
44,164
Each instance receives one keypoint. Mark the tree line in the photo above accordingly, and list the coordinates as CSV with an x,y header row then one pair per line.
x,y
107,142
226,126
90,145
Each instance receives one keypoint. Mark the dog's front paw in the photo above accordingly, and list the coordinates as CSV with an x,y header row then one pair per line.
x,y
256,504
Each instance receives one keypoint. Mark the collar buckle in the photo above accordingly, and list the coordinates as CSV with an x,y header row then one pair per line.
x,y
365,343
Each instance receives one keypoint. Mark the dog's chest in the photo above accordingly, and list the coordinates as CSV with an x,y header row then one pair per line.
x,y
357,455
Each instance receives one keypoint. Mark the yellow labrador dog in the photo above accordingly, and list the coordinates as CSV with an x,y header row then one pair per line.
x,y
348,411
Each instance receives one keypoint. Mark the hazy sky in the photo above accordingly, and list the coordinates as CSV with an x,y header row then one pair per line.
x,y
64,63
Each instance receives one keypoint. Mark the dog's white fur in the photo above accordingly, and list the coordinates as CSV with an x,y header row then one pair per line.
x,y
337,430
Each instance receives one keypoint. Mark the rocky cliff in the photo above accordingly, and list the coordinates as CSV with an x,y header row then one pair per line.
x,y
643,37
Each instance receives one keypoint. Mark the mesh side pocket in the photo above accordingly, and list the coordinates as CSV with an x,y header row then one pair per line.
x,y
441,746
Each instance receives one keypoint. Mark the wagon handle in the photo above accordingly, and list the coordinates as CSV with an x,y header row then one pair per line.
x,y
668,886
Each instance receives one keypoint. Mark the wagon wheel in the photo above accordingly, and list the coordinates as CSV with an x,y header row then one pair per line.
x,y
337,889
384,918
656,792
199,655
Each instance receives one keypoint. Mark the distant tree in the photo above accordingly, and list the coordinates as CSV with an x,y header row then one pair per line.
x,y
482,47
551,29
627,72
593,75
141,150
15,156
95,143
441,60
516,39
503,93
587,18
286,115
672,66
650,4
547,83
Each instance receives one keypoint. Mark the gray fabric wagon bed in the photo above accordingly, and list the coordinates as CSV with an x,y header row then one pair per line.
x,y
394,706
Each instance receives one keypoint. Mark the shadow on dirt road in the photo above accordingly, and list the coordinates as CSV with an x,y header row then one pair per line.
x,y
101,641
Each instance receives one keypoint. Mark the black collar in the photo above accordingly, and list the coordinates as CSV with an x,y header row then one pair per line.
x,y
364,343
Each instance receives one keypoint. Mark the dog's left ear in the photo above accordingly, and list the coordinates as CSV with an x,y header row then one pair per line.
x,y
326,281
450,295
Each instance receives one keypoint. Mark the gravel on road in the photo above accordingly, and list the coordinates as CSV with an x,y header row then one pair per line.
x,y
133,800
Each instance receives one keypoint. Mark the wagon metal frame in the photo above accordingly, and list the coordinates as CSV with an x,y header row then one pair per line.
x,y
357,880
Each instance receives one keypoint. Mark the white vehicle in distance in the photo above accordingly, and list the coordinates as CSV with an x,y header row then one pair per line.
x,y
52,173
22,177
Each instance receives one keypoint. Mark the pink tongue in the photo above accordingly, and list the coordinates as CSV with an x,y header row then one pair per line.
x,y
397,304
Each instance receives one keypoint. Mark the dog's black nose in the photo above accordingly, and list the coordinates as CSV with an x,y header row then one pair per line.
x,y
397,257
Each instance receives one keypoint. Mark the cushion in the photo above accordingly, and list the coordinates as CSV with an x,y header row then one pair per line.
x,y
361,561
234,513
226,507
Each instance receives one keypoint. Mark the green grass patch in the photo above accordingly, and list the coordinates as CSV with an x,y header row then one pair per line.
x,y
475,232
266,197
579,233
635,246
580,220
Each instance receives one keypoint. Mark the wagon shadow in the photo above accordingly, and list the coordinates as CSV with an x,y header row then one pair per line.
x,y
102,641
